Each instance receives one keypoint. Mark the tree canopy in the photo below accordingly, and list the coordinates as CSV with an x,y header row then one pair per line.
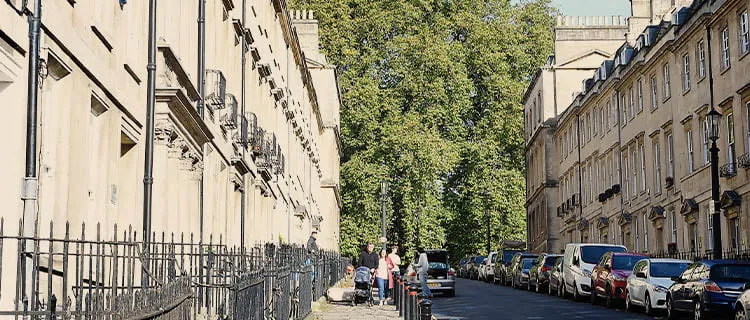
x,y
432,94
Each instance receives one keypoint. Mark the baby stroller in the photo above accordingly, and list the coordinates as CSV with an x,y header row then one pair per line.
x,y
363,286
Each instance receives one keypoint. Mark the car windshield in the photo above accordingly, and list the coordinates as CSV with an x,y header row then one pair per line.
x,y
550,261
479,260
463,261
527,263
731,272
625,262
667,269
508,255
592,254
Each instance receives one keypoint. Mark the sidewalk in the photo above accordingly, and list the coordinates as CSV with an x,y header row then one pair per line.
x,y
335,311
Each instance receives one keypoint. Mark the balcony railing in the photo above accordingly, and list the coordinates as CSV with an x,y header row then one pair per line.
x,y
229,118
728,170
744,160
216,89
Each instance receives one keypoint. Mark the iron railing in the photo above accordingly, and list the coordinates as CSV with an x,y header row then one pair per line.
x,y
695,255
728,170
106,274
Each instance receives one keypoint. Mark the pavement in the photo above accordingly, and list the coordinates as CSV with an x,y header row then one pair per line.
x,y
480,300
345,311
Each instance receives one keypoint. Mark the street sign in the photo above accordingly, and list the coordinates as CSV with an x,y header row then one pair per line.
x,y
383,239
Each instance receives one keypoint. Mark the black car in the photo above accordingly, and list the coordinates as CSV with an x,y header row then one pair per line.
x,y
540,271
505,257
555,284
515,270
707,288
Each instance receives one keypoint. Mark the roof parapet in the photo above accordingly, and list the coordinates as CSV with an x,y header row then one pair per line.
x,y
592,21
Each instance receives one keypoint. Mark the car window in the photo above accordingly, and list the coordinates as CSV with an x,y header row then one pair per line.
x,y
688,273
639,266
625,262
527,263
603,260
551,261
731,272
667,269
592,254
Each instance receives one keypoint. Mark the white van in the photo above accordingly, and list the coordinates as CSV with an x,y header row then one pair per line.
x,y
579,260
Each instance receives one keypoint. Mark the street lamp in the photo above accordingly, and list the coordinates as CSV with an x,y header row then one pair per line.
x,y
384,195
487,218
715,120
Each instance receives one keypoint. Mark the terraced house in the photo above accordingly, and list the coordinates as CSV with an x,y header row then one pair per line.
x,y
627,161
246,125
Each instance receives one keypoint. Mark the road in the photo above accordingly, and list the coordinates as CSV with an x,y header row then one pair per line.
x,y
480,300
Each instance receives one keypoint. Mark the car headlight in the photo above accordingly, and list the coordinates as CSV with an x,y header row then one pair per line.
x,y
618,277
586,273
525,275
660,289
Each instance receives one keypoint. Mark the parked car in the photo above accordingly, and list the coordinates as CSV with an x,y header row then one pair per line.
x,y
742,305
501,267
461,265
707,288
440,276
521,273
649,282
514,271
579,261
463,271
540,271
609,277
555,285
474,267
486,272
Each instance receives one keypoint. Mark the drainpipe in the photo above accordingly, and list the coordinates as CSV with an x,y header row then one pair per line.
x,y
580,175
619,151
243,197
201,101
30,190
148,175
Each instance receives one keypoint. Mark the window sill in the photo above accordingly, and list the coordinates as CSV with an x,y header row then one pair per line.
x,y
744,54
666,99
684,92
695,172
725,69
700,79
653,109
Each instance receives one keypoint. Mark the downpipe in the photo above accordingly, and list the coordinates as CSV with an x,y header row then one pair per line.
x,y
148,174
243,197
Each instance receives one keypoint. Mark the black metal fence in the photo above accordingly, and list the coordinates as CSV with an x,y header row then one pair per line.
x,y
732,254
71,277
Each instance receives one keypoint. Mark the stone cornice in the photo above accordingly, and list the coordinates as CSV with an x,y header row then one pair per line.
x,y
181,108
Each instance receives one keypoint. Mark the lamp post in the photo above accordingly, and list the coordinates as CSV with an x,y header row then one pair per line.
x,y
383,226
715,119
487,219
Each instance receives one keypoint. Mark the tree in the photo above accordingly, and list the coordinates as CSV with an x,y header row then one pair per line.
x,y
431,102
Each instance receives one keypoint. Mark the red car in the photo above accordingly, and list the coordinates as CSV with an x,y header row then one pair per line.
x,y
609,277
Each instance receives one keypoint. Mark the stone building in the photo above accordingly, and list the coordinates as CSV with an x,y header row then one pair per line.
x,y
276,139
630,153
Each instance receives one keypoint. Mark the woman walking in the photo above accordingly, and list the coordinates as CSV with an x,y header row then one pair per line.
x,y
383,276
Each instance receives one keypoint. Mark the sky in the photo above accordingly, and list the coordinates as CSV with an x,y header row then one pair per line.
x,y
593,7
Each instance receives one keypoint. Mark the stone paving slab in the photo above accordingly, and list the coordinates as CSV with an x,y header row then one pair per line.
x,y
338,311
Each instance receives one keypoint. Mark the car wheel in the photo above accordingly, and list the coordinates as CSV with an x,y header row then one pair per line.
x,y
628,302
549,288
740,314
698,311
670,309
528,285
649,309
537,286
576,296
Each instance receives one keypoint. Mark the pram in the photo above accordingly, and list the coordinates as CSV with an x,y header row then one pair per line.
x,y
363,286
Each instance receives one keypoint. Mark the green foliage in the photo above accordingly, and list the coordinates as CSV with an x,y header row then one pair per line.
x,y
432,94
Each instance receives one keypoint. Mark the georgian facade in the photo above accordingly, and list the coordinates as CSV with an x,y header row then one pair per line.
x,y
638,160
276,139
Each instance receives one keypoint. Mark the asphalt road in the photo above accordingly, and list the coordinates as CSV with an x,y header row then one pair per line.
x,y
480,300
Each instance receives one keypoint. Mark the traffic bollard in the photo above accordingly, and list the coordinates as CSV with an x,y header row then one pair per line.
x,y
413,290
425,309
402,297
396,289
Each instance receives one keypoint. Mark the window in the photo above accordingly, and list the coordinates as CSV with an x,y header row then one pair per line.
x,y
634,167
693,237
657,168
588,125
747,112
636,238
734,233
673,226
640,95
709,230
645,233
667,86
744,33
691,155
725,58
654,84
591,184
685,72
583,130
624,106
706,129
731,155
539,106
670,155
643,167
595,122
632,103
701,59
611,171
625,176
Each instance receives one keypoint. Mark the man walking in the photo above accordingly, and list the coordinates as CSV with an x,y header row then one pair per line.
x,y
422,266
368,258
312,251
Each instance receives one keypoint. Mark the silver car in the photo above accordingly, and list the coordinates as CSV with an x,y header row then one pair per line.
x,y
441,278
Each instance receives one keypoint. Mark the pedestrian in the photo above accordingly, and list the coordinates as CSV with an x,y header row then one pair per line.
x,y
395,259
312,251
368,258
383,276
422,266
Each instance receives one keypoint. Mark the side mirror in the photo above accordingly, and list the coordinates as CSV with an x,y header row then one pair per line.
x,y
746,286
640,275
676,279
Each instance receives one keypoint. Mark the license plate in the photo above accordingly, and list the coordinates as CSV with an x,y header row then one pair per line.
x,y
433,285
